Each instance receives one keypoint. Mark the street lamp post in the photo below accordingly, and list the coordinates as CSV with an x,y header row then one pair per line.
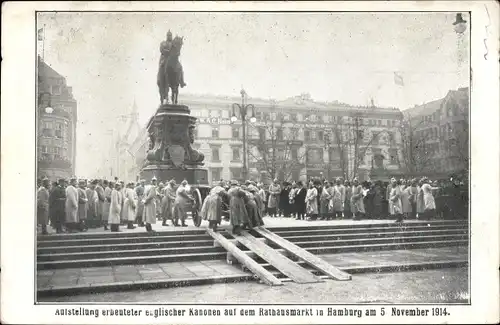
x,y
243,109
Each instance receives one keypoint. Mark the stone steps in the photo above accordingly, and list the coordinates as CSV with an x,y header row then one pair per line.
x,y
107,249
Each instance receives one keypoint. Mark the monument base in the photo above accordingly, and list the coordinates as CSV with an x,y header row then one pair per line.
x,y
163,173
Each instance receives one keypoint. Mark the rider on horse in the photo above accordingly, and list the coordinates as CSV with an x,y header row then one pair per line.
x,y
165,49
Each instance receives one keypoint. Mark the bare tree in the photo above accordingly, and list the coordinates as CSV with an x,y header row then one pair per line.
x,y
276,148
415,148
352,138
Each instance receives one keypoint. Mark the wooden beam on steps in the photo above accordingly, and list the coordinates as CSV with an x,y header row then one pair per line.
x,y
304,255
283,264
235,242
244,259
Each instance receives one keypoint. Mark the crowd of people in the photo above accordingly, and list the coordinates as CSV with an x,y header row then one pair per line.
x,y
76,205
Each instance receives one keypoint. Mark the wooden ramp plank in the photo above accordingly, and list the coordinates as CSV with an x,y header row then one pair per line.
x,y
307,257
279,261
244,259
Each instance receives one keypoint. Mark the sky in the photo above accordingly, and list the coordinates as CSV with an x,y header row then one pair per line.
x,y
111,59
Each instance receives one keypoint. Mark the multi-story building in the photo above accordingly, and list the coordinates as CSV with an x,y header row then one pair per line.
x,y
436,135
56,118
297,138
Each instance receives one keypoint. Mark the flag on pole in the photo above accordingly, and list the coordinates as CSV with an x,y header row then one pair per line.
x,y
398,79
40,34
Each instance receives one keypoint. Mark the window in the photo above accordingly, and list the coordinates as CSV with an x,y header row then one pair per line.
x,y
295,154
215,133
262,134
307,135
59,130
313,135
236,154
315,155
379,122
321,136
56,90
216,174
279,134
394,156
235,173
360,135
45,149
236,132
293,133
215,154
280,154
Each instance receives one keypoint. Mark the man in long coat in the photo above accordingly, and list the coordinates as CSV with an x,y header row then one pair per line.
x,y
150,205
92,205
238,214
168,202
71,207
338,198
57,205
139,212
182,199
130,204
273,202
82,205
107,203
357,205
42,211
115,208
99,189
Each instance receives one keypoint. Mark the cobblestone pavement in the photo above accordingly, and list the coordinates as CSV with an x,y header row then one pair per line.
x,y
52,279
431,286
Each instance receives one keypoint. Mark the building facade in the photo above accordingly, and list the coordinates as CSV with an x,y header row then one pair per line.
x,y
294,139
56,118
437,135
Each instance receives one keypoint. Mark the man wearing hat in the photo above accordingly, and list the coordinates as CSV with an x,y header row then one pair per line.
x,y
57,202
92,204
82,205
139,212
42,211
71,207
274,192
99,189
129,204
358,207
168,202
115,208
107,203
150,205
182,199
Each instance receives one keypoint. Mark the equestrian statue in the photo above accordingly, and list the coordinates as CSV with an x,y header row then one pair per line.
x,y
170,73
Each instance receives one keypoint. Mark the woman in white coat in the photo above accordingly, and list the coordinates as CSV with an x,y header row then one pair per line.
x,y
130,203
115,208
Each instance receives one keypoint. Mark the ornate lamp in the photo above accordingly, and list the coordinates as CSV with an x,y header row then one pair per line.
x,y
460,25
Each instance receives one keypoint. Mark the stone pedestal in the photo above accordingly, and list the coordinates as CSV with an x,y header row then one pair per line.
x,y
165,173
171,155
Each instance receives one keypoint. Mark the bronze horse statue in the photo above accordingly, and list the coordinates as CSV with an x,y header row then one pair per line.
x,y
171,76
